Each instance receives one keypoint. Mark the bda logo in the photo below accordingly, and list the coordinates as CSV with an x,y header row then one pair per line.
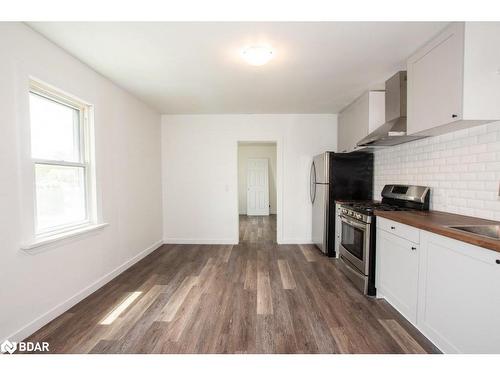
x,y
24,346
8,346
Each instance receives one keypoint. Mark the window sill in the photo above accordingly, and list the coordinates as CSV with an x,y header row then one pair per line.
x,y
38,242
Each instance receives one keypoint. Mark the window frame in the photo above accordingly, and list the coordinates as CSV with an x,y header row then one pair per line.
x,y
86,161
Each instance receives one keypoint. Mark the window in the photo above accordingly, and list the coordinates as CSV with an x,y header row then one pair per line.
x,y
61,159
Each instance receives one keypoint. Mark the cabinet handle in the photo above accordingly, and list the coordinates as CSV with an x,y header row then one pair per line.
x,y
413,248
454,115
497,261
393,228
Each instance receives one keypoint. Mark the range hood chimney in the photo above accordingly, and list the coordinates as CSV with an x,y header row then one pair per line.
x,y
393,132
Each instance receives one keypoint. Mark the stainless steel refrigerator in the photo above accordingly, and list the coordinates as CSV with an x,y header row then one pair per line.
x,y
336,176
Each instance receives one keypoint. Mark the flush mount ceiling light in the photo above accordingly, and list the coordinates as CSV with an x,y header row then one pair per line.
x,y
257,55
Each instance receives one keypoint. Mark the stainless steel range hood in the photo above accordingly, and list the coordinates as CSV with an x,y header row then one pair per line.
x,y
393,132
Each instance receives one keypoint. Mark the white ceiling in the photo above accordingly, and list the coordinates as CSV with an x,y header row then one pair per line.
x,y
197,68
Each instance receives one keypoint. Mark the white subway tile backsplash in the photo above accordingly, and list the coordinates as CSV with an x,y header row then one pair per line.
x,y
462,168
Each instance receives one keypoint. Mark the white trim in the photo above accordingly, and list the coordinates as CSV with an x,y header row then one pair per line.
x,y
56,94
59,309
295,241
198,241
61,163
229,241
45,240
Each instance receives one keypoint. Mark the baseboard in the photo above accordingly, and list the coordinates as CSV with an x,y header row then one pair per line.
x,y
270,213
39,322
295,241
197,241
228,241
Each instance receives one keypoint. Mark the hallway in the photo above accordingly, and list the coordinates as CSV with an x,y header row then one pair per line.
x,y
261,229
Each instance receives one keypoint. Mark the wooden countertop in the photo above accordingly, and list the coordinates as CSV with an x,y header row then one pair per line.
x,y
437,222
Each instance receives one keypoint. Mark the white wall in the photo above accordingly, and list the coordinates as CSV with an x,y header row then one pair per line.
x,y
37,286
200,172
462,168
256,150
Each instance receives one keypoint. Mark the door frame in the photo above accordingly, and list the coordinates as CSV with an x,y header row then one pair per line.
x,y
267,186
279,184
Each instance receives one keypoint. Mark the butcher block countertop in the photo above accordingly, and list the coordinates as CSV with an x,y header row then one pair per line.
x,y
438,222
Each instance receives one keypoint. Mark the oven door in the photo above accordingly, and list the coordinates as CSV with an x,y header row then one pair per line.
x,y
355,242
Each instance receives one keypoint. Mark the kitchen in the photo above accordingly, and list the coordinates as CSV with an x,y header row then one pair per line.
x,y
251,188
430,243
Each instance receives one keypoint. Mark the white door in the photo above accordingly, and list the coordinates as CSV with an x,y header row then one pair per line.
x,y
257,187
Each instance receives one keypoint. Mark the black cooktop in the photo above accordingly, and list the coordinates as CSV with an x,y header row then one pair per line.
x,y
367,208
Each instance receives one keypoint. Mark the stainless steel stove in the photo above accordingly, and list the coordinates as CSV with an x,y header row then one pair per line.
x,y
364,211
357,242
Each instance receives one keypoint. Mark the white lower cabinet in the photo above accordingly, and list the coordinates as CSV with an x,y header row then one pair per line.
x,y
459,295
397,273
450,290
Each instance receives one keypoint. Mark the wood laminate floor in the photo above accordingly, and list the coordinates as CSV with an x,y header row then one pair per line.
x,y
255,297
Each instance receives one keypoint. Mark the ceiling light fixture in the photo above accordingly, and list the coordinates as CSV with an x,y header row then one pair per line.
x,y
257,55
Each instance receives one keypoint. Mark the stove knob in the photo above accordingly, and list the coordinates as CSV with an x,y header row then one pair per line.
x,y
358,216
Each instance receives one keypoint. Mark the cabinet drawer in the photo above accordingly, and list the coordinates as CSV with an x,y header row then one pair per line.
x,y
401,230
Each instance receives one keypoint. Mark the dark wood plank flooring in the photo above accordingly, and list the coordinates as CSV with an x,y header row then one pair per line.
x,y
255,297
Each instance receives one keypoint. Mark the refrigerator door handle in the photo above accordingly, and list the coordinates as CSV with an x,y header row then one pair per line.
x,y
312,180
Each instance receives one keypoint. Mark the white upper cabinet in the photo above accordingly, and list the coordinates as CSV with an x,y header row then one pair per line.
x,y
435,82
454,80
358,119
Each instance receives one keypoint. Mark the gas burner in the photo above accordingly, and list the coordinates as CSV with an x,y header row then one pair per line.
x,y
394,198
369,207
387,207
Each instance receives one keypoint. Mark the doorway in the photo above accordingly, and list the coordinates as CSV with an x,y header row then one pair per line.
x,y
257,191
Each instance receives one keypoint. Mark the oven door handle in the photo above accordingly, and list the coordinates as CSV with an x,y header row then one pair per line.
x,y
353,223
349,265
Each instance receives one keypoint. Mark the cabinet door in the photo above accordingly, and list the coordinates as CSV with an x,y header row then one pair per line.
x,y
435,81
343,133
376,115
397,273
459,295
353,124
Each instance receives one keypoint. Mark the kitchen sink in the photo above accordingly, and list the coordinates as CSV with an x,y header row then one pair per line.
x,y
490,231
